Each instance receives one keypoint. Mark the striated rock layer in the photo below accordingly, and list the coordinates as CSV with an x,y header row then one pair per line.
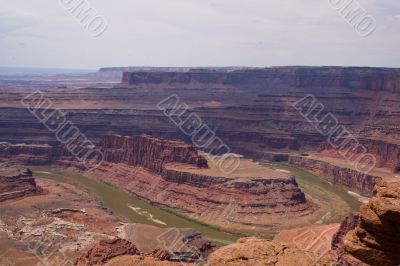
x,y
376,238
143,150
149,152
349,178
16,185
292,77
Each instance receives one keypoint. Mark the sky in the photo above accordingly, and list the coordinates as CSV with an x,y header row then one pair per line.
x,y
44,33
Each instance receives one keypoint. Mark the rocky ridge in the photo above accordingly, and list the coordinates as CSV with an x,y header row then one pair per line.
x,y
375,240
105,250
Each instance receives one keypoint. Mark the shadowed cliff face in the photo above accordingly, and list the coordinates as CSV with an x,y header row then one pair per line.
x,y
149,152
16,185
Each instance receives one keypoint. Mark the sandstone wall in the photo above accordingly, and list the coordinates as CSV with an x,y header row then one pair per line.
x,y
387,154
143,150
375,240
349,178
149,152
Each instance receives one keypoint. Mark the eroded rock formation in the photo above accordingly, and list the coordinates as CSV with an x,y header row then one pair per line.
x,y
171,244
14,184
143,150
146,244
352,179
105,250
174,175
149,152
376,238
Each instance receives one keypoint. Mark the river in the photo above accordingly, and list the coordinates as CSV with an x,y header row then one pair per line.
x,y
123,204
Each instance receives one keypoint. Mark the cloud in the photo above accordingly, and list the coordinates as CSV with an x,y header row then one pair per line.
x,y
194,33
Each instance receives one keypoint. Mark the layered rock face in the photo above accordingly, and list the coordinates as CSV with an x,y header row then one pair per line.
x,y
349,178
149,152
143,150
386,154
13,185
375,240
292,77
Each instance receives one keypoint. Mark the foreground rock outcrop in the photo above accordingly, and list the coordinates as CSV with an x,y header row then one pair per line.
x,y
149,245
376,238
105,250
257,252
143,261
172,244
346,226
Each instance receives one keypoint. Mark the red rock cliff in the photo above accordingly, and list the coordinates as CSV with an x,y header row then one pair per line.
x,y
352,179
149,152
376,238
174,175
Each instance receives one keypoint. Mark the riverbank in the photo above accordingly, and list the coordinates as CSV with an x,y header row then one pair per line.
x,y
120,203
337,202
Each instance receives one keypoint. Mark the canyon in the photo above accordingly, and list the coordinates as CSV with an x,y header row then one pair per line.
x,y
251,110
173,174
259,113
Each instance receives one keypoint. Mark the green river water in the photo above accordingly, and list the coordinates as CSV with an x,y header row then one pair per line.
x,y
123,204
